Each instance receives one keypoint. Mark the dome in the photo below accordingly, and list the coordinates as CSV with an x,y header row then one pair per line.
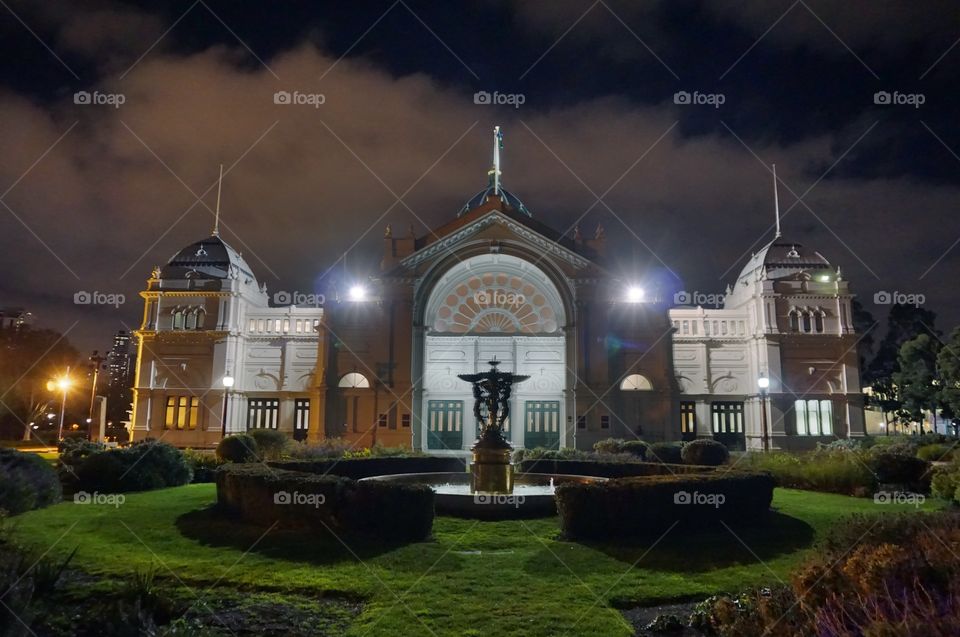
x,y
209,258
782,258
481,197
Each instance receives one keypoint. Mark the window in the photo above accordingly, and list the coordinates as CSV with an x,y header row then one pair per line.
x,y
794,321
252,327
381,420
688,418
263,413
182,412
818,322
806,322
190,321
814,417
581,422
178,320
354,380
636,382
276,325
301,418
604,422
286,325
299,326
405,420
727,417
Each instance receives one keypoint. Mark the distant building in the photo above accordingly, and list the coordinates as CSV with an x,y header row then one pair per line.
x,y
13,317
121,365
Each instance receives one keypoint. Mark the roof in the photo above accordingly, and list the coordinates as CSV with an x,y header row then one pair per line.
x,y
782,258
508,198
211,258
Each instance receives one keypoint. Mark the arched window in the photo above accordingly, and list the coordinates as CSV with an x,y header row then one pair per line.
x,y
190,321
636,382
354,380
818,322
794,320
806,322
201,317
178,319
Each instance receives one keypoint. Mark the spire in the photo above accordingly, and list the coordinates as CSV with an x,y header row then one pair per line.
x,y
776,200
216,218
497,147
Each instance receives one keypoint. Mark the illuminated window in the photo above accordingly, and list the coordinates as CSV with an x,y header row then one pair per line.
x,y
263,413
688,418
301,418
727,417
170,415
636,382
354,380
253,325
286,325
814,417
178,320
182,412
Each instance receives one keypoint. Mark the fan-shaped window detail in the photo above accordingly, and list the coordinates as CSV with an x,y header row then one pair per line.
x,y
636,382
354,380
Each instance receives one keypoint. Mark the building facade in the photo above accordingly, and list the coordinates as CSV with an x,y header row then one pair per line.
x,y
378,363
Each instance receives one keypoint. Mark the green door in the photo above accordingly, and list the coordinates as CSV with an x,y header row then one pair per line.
x,y
445,424
542,424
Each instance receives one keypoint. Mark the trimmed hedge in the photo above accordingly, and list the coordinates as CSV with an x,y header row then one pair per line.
x,y
666,452
271,443
324,503
705,451
238,448
650,505
27,482
142,466
357,468
602,469
895,468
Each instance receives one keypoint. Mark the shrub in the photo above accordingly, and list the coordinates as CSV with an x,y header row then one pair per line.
x,y
936,452
619,465
705,452
609,445
896,468
264,495
845,472
328,448
366,467
142,466
203,463
945,483
27,482
666,452
238,448
649,505
636,447
271,443
843,444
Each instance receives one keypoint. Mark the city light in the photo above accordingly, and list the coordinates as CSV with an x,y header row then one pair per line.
x,y
635,294
358,293
763,382
228,381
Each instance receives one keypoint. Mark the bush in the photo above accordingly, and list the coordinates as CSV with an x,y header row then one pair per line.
x,y
567,453
666,452
367,467
387,511
946,483
271,443
845,472
203,463
936,452
900,469
609,445
27,482
328,448
238,448
704,451
649,505
142,466
636,447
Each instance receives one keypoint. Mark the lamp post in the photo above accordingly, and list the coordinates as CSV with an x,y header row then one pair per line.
x,y
764,383
63,384
227,384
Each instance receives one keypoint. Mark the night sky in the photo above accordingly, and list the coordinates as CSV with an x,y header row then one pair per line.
x,y
92,196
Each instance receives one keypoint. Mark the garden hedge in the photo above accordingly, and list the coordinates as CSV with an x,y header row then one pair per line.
x,y
603,469
27,482
265,495
646,506
357,468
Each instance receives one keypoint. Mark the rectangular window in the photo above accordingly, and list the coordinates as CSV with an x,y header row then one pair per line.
x,y
727,417
381,420
194,412
181,412
276,326
301,418
814,417
170,415
405,420
263,413
604,422
581,422
688,417
253,325
286,325
299,326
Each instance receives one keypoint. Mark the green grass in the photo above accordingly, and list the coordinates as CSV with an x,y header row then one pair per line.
x,y
474,578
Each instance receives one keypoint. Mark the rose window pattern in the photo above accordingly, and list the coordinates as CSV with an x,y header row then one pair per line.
x,y
496,303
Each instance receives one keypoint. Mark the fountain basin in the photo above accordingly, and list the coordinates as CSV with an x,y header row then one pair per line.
x,y
532,494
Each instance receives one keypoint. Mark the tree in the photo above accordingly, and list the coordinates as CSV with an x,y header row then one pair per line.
x,y
866,328
916,377
948,370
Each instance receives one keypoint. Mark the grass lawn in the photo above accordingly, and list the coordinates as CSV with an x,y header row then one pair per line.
x,y
474,578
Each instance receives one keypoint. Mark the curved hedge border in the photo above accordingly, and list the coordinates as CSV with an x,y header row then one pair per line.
x,y
610,469
357,468
650,505
383,510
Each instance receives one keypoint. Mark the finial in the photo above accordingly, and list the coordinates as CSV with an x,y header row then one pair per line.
x,y
497,147
216,218
388,232
601,233
776,201
576,233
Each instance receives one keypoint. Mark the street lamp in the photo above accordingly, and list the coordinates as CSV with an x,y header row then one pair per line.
x,y
63,384
357,293
764,384
635,294
227,384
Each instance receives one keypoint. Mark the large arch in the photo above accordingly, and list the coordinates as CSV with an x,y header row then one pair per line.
x,y
493,305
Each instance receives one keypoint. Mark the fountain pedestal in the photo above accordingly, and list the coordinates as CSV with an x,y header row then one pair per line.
x,y
491,471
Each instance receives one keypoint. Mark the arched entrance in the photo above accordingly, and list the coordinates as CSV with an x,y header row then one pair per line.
x,y
494,306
